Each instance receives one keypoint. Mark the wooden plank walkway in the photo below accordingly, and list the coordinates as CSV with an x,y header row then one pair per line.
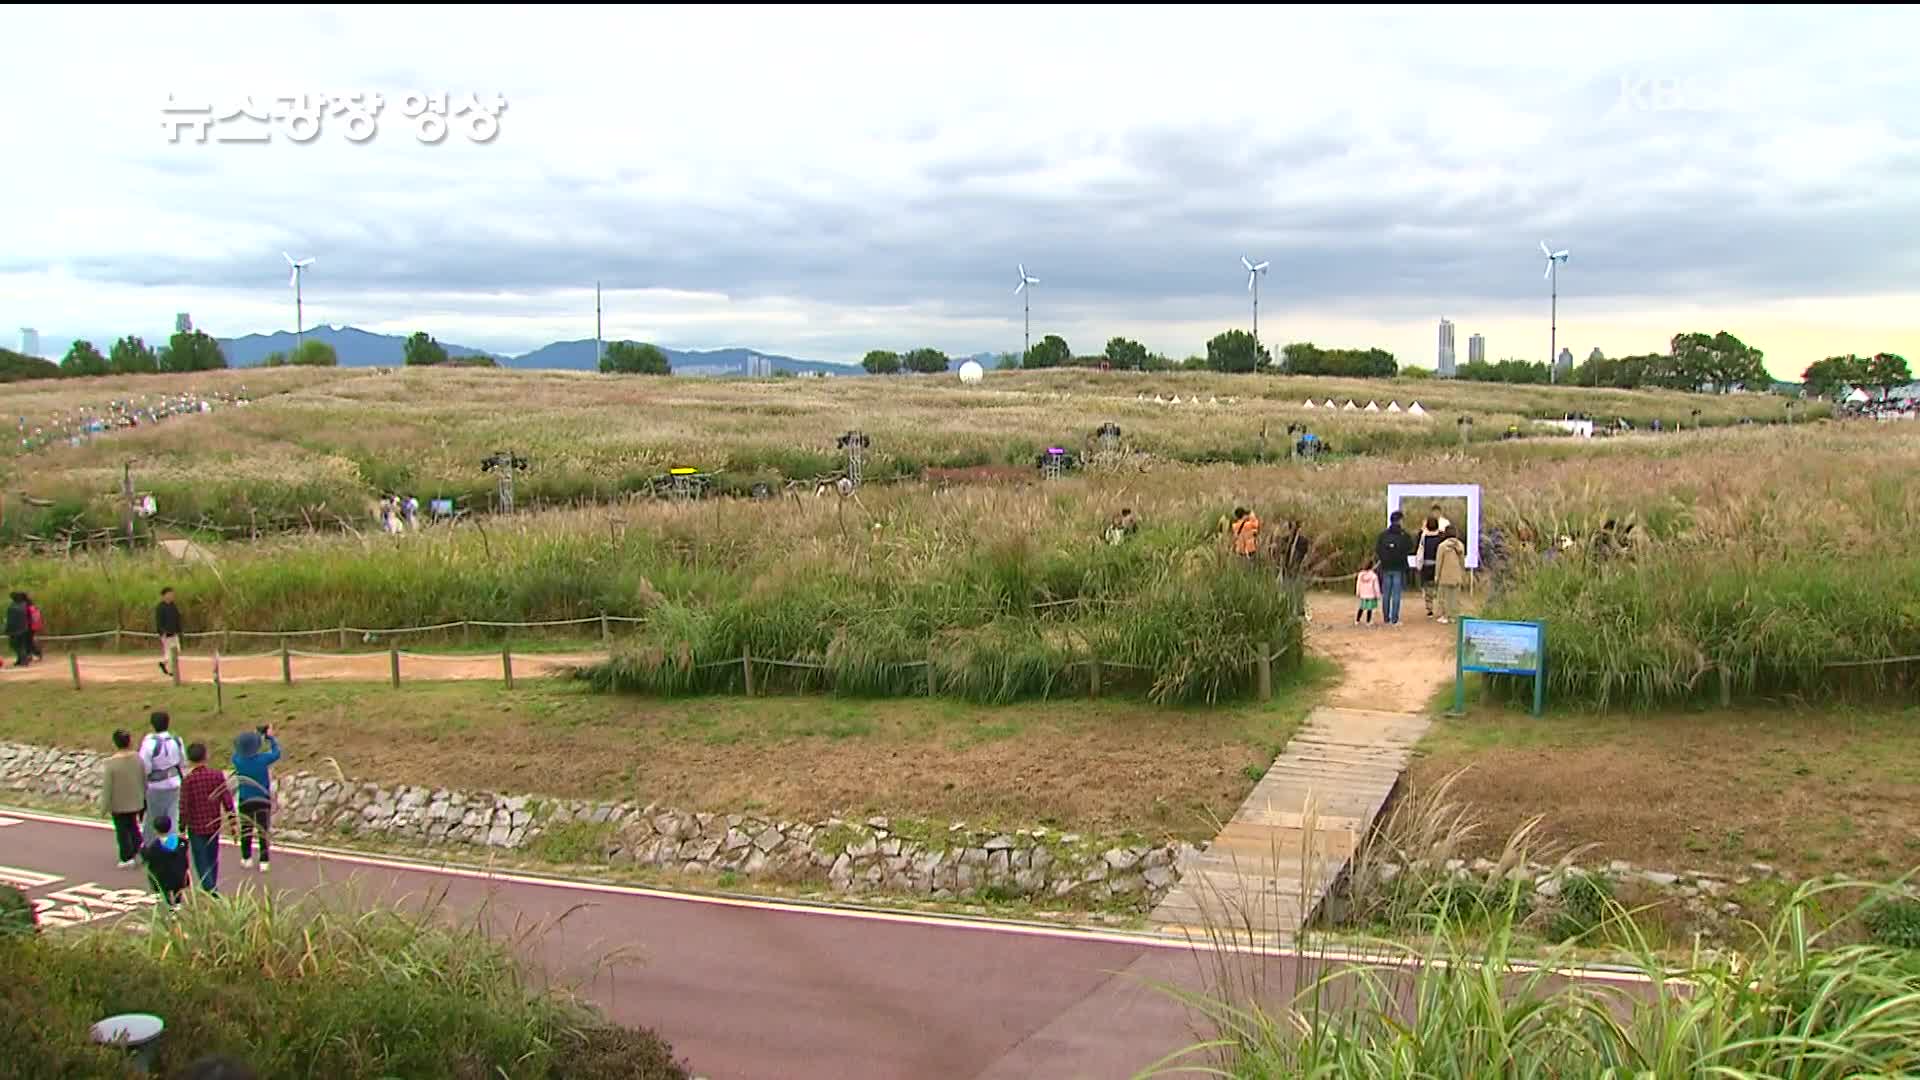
x,y
1271,867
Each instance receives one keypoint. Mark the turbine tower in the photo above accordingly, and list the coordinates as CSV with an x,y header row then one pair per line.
x,y
299,315
596,326
1254,270
1554,259
1026,307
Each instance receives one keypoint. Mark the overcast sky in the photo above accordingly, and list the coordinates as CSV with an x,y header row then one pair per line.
x,y
822,182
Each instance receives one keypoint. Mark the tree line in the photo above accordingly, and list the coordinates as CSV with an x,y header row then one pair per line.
x,y
191,350
1882,372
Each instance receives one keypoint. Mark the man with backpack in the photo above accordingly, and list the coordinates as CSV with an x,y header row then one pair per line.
x,y
1394,549
164,760
18,635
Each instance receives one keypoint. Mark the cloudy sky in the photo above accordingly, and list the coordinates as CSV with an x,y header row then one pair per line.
x,y
821,182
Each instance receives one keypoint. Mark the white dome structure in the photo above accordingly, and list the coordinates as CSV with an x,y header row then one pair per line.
x,y
971,372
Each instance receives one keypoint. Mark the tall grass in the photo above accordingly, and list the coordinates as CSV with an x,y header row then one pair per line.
x,y
332,443
307,987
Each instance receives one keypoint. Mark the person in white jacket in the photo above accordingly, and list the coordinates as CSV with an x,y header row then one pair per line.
x,y
164,760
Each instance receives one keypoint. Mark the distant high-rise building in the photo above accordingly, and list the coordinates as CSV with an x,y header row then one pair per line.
x,y
1596,354
183,323
759,367
29,341
1563,365
1446,366
1477,349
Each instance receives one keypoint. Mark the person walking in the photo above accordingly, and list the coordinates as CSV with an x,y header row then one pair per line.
x,y
1431,533
35,627
162,758
1366,586
411,511
123,796
18,635
205,804
166,623
1394,549
1451,573
166,859
254,753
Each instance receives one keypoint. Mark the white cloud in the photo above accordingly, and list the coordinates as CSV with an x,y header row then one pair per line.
x,y
821,181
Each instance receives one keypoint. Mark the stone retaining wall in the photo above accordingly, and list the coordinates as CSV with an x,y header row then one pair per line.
x,y
872,856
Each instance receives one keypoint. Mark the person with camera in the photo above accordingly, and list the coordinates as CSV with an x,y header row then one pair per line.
x,y
254,753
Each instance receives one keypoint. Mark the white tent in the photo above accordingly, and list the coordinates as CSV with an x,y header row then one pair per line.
x,y
1395,407
1351,406
1416,410
1308,404
1372,406
1330,404
1176,399
1857,397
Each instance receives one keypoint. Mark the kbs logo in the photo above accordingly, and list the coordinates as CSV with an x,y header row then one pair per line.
x,y
1649,94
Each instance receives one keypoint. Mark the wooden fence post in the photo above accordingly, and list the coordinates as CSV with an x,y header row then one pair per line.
x,y
1265,671
506,662
746,665
1093,683
226,641
1726,688
173,663
73,667
606,631
466,632
117,647
343,639
393,660
219,696
286,663
930,680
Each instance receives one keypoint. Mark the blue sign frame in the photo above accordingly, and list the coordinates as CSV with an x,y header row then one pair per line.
x,y
1519,648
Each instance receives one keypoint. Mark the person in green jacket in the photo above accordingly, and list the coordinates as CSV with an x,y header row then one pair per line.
x,y
123,796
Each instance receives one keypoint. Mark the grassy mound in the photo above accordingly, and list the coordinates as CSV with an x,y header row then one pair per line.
x,y
294,987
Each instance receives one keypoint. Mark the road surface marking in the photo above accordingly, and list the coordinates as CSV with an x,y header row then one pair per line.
x,y
1389,955
6,821
27,879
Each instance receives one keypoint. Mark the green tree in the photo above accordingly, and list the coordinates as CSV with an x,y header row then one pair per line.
x,y
1887,372
421,350
635,358
881,362
1052,352
1007,362
1235,351
1417,373
192,350
83,359
1720,359
130,356
19,367
1830,377
1305,358
274,359
925,361
315,353
1124,353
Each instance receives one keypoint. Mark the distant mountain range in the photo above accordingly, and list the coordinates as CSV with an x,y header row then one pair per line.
x,y
362,348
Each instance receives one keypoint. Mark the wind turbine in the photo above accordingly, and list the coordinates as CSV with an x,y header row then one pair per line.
x,y
299,316
1026,305
1254,270
1554,259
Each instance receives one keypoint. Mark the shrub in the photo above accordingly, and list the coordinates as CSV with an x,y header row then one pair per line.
x,y
296,987
17,916
1895,921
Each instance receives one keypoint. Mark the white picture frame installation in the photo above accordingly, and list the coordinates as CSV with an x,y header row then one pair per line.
x,y
1397,493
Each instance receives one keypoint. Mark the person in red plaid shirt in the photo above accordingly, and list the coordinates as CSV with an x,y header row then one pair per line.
x,y
205,803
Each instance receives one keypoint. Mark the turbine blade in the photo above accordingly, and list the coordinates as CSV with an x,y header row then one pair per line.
x,y
1033,281
1250,277
1561,255
1245,262
1544,250
293,278
1263,265
287,257
1022,285
1549,272
1023,271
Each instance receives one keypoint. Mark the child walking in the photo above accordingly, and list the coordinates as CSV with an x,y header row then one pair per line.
x,y
1366,585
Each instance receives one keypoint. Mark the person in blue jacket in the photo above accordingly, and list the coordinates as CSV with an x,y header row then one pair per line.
x,y
254,753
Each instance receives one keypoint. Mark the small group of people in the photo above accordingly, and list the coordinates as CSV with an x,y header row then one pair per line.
x,y
1291,548
24,625
184,804
1122,526
398,513
1437,559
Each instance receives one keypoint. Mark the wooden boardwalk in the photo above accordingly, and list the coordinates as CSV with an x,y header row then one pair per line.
x,y
1270,868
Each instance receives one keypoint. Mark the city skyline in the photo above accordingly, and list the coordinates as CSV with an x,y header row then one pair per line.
x,y
1444,364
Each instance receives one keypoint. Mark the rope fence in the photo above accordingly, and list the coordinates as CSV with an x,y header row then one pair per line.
x,y
347,631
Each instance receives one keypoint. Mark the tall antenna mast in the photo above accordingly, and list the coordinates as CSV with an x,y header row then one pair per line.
x,y
596,326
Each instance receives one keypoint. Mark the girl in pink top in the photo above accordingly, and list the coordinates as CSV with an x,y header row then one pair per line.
x,y
1366,585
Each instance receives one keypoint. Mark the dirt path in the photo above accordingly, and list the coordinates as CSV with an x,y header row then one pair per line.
x,y
1385,668
338,667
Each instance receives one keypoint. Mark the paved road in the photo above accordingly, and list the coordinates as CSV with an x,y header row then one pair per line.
x,y
751,989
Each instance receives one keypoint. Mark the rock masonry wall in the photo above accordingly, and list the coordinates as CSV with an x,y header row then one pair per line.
x,y
870,856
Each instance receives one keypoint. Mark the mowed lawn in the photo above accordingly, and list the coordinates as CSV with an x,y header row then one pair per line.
x,y
1810,792
1110,766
